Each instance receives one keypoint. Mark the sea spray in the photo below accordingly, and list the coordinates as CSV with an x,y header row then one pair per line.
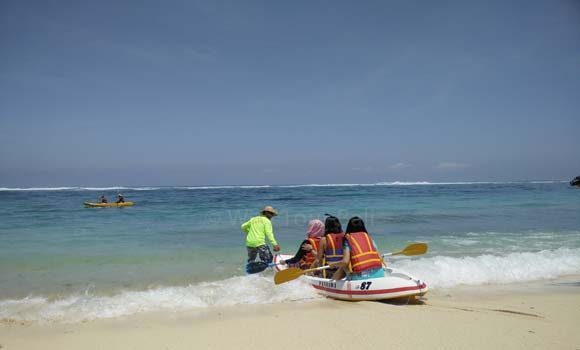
x,y
446,272
221,187
438,272
241,290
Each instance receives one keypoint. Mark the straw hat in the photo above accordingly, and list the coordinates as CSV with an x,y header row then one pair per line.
x,y
269,209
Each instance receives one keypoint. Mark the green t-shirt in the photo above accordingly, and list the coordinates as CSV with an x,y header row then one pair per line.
x,y
258,229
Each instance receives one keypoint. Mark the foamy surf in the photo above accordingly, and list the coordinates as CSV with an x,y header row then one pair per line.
x,y
218,187
447,272
244,290
113,188
438,272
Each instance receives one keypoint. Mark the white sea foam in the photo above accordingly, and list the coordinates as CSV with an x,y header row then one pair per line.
x,y
394,183
252,289
445,272
438,272
38,189
118,188
219,187
548,182
112,188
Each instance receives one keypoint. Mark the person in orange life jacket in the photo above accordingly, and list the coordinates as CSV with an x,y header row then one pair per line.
x,y
308,250
361,259
330,247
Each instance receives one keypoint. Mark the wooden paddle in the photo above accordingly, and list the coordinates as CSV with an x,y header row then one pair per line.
x,y
293,273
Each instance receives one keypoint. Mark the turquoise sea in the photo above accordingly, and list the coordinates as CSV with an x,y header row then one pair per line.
x,y
181,248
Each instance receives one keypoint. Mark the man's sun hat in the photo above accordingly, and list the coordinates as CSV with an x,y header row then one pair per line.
x,y
269,209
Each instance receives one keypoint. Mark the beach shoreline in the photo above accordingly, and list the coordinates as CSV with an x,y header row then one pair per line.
x,y
534,315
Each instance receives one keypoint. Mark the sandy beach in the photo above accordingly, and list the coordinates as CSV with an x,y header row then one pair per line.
x,y
540,315
152,152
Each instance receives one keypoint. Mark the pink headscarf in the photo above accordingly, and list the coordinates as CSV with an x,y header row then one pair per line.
x,y
315,228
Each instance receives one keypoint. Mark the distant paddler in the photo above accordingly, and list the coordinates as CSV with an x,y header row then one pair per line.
x,y
104,203
259,229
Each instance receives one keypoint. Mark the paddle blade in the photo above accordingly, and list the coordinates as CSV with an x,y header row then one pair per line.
x,y
414,249
256,266
287,275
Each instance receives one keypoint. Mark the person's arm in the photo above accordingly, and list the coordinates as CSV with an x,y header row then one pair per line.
x,y
299,254
342,266
376,246
246,226
320,252
269,231
345,258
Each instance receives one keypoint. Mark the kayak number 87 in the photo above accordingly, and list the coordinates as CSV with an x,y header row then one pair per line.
x,y
365,285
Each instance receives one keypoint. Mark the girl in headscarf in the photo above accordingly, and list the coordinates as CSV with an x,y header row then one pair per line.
x,y
306,255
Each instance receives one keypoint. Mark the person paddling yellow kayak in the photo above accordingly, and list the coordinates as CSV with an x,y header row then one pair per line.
x,y
108,205
103,203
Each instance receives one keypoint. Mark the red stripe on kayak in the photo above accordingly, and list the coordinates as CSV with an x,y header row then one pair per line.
x,y
367,292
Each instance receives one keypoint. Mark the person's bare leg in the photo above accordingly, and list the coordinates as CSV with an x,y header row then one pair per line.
x,y
339,274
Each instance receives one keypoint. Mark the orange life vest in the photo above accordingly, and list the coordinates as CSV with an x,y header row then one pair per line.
x,y
309,258
333,249
363,254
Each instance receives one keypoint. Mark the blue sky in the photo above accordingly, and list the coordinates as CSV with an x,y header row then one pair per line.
x,y
271,92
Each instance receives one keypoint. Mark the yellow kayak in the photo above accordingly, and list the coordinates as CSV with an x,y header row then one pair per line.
x,y
106,205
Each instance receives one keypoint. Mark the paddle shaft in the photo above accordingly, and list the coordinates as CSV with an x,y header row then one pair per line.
x,y
316,269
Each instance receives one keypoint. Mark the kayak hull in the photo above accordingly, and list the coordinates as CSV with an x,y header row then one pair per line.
x,y
395,284
108,205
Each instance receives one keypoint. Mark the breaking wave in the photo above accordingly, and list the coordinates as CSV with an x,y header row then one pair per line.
x,y
153,188
438,272
252,289
446,272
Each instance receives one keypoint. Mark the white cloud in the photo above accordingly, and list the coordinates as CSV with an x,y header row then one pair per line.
x,y
452,165
400,166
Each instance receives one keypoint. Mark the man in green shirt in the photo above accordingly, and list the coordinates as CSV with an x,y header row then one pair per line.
x,y
258,229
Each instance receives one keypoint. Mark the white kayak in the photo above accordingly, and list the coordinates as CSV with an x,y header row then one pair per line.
x,y
395,284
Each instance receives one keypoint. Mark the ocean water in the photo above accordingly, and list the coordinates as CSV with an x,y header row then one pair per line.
x,y
181,248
